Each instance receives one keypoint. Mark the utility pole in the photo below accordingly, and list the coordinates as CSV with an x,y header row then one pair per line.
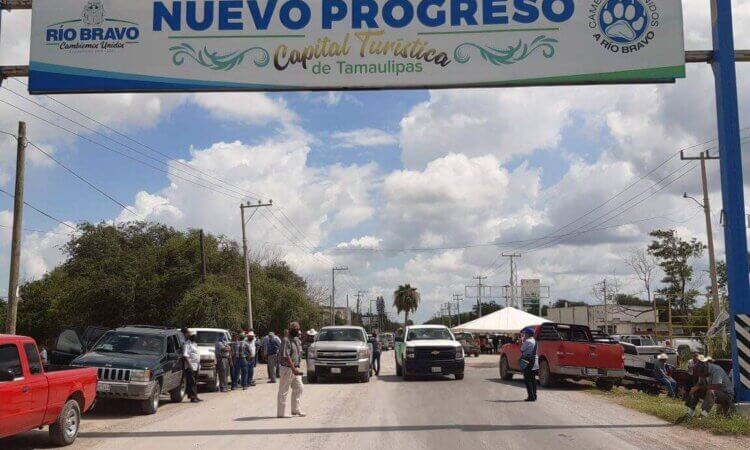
x,y
606,307
15,249
457,299
450,312
706,205
479,294
203,257
348,312
359,301
512,256
248,286
333,292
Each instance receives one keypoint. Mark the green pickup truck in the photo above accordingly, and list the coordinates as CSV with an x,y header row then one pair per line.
x,y
428,350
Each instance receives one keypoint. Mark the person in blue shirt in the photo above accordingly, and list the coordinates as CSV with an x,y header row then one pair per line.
x,y
661,373
222,351
529,363
271,350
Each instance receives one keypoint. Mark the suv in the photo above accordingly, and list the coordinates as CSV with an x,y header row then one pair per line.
x,y
387,341
339,351
138,363
429,350
469,344
206,339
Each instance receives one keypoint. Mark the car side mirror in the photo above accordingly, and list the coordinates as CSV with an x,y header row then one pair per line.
x,y
7,375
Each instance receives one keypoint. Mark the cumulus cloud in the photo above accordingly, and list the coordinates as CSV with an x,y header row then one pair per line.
x,y
363,137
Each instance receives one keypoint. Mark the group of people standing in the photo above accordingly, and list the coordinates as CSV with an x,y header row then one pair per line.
x,y
238,358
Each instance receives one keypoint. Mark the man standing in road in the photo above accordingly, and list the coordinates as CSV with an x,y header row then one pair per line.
x,y
291,375
192,359
271,350
222,352
240,350
529,363
376,349
251,357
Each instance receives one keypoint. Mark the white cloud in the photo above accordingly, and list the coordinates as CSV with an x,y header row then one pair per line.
x,y
364,137
252,107
364,242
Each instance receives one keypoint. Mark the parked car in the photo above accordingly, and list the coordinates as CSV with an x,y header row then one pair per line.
x,y
341,351
33,395
640,353
469,344
429,350
568,351
386,339
73,342
688,345
138,363
206,339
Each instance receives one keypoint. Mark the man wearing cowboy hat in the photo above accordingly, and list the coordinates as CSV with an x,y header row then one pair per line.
x,y
714,387
661,373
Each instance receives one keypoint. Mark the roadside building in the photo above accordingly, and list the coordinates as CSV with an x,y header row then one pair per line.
x,y
621,319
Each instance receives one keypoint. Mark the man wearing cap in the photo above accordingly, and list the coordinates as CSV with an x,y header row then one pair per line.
x,y
529,362
714,387
192,359
661,373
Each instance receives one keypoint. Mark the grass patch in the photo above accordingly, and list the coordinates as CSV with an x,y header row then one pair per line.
x,y
673,411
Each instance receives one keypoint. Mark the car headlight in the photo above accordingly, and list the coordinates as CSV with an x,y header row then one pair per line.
x,y
410,353
363,353
460,353
311,353
140,375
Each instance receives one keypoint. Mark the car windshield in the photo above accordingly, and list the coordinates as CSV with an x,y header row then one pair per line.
x,y
207,337
137,344
463,337
341,335
429,334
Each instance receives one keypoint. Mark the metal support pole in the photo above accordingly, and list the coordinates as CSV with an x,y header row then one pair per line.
x,y
730,153
15,250
248,286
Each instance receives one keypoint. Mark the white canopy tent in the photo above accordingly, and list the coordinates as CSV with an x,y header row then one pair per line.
x,y
506,320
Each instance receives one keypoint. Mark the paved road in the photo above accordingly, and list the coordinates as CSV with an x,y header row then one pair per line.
x,y
389,414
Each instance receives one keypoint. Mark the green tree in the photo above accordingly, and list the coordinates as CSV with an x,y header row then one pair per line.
x,y
213,304
406,300
674,255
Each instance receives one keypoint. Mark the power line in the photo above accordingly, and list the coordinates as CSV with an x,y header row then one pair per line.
x,y
40,211
87,182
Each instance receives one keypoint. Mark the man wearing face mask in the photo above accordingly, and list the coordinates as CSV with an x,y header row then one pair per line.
x,y
291,375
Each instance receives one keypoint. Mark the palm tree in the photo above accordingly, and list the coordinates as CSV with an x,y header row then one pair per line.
x,y
406,299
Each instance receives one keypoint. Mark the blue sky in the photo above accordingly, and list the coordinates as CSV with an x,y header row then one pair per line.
x,y
355,170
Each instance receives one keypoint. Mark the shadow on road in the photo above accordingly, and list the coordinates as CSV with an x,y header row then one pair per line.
x,y
252,419
559,386
398,379
373,429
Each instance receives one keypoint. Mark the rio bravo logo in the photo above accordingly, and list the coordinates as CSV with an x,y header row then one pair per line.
x,y
93,31
624,26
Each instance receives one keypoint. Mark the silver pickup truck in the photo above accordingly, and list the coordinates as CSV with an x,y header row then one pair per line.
x,y
339,352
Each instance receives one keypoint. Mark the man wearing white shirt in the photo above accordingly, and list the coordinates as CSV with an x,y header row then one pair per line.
x,y
192,359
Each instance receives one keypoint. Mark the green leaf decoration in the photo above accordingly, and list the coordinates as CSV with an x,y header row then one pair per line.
x,y
216,61
509,55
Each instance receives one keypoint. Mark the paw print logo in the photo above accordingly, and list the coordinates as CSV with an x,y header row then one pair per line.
x,y
623,21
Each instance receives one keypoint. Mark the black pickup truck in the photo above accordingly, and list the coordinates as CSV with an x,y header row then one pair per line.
x,y
136,362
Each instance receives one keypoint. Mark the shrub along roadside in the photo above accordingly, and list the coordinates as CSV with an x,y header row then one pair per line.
x,y
674,411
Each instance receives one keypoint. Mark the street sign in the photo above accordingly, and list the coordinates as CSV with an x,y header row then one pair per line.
x,y
530,292
270,45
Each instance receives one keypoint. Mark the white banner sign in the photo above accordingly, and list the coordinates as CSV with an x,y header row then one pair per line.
x,y
207,45
531,290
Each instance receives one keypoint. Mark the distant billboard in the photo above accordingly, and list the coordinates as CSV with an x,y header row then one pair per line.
x,y
531,292
268,45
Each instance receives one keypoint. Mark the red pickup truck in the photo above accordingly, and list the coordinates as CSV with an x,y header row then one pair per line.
x,y
568,351
33,395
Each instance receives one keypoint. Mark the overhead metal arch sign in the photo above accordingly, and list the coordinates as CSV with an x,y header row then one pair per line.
x,y
270,45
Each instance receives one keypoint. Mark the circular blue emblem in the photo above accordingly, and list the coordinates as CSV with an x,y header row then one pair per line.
x,y
623,21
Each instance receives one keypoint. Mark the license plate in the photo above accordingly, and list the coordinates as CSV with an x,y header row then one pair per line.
x,y
335,370
103,387
437,370
592,371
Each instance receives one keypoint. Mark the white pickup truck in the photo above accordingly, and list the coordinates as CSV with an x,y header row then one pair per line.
x,y
429,350
206,340
339,352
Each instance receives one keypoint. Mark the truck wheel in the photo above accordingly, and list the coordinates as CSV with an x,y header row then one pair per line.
x,y
604,385
505,372
65,429
459,376
546,379
177,394
399,370
312,378
213,386
151,405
